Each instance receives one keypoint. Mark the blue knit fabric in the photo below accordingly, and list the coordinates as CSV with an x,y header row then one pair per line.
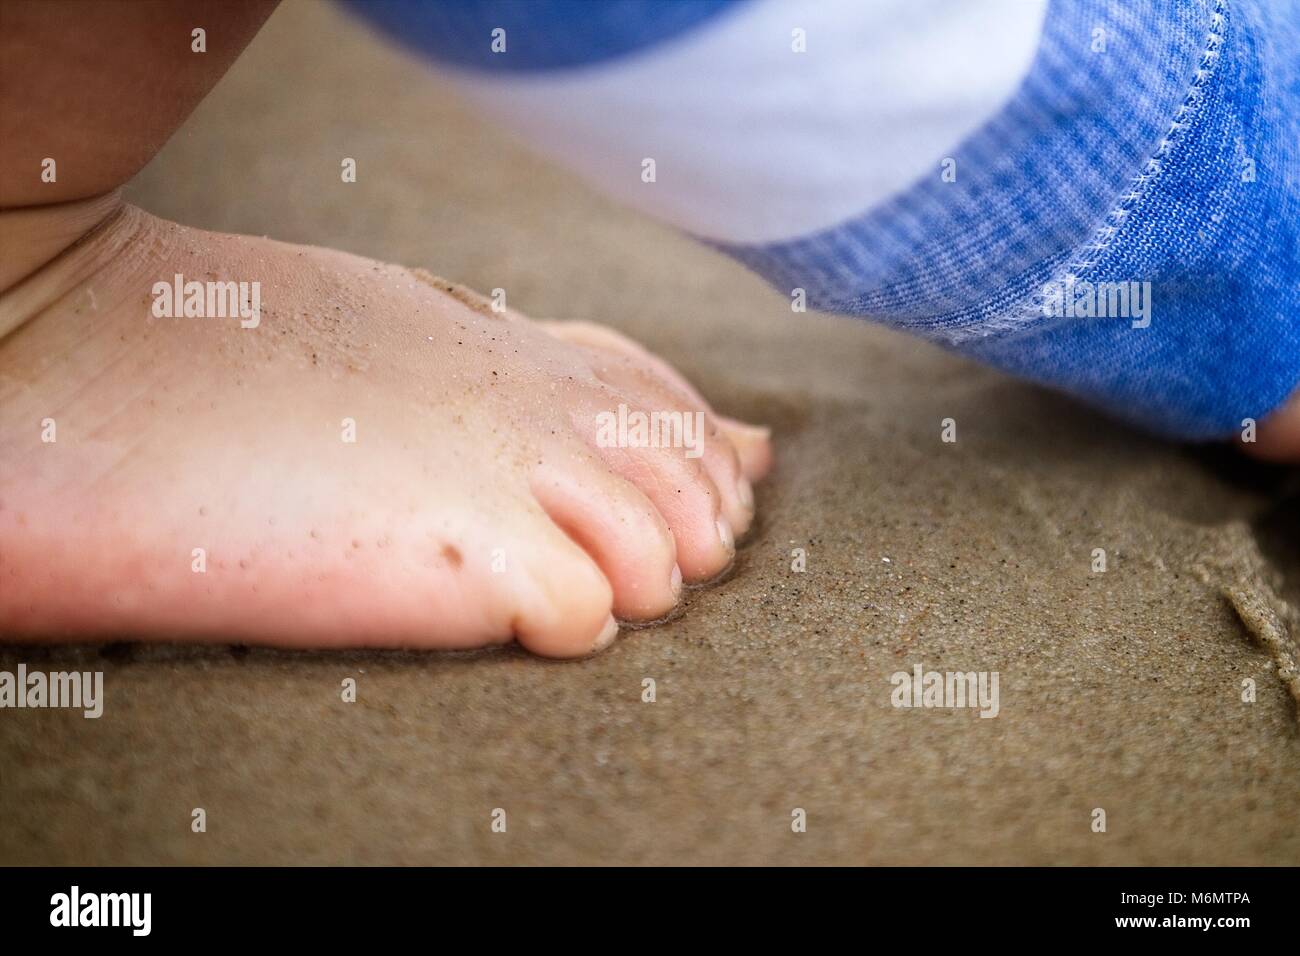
x,y
1131,164
1153,141
540,34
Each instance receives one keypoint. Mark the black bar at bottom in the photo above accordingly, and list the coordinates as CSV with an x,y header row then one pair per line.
x,y
334,906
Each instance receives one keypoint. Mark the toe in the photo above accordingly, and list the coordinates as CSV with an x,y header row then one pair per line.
x,y
678,486
562,604
714,450
689,502
752,442
619,527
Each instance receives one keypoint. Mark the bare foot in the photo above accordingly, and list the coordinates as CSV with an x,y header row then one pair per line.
x,y
380,459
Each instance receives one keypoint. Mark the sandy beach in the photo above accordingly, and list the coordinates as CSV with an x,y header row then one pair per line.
x,y
1120,690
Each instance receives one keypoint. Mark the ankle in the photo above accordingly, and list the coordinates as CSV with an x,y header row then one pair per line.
x,y
46,251
30,236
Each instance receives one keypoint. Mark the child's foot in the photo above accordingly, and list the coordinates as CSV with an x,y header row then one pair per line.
x,y
382,460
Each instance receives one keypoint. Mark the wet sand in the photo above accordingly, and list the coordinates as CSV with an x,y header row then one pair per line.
x,y
1119,690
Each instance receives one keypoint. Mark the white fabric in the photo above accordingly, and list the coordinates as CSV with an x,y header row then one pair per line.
x,y
753,142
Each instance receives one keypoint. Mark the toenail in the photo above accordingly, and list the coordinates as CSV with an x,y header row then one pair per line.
x,y
745,493
724,532
676,582
606,635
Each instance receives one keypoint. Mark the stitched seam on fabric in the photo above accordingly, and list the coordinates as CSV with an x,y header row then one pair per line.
x,y
1031,312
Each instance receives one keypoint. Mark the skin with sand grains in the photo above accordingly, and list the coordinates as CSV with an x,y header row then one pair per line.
x,y
461,497
437,472
368,456
879,548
